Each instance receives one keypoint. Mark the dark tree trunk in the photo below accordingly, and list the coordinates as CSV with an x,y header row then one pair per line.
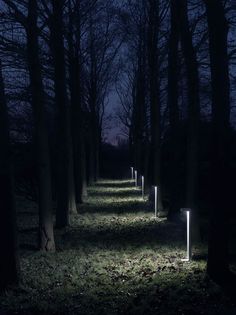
x,y
46,236
174,175
95,142
91,155
65,153
192,172
139,128
76,110
155,104
9,263
97,152
94,109
131,147
71,173
218,261
83,168
139,101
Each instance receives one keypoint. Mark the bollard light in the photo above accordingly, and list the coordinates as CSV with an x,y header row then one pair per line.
x,y
143,187
136,178
132,172
189,245
155,201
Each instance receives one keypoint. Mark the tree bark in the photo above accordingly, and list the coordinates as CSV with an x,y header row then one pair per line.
x,y
192,172
46,236
97,152
83,168
94,106
65,156
71,173
76,110
155,104
218,260
9,262
174,110
91,155
139,100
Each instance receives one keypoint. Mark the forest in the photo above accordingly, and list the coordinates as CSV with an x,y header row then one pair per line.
x,y
117,148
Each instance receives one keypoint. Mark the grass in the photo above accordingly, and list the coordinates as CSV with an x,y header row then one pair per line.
x,y
115,258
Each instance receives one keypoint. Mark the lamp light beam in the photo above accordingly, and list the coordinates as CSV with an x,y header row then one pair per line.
x,y
189,245
143,187
155,201
132,172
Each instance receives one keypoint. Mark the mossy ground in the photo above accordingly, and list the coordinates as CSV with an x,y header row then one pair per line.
x,y
115,258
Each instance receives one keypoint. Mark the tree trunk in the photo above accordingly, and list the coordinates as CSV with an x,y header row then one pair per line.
x,y
92,103
137,122
174,175
76,110
97,152
155,104
46,236
192,172
71,173
84,191
91,157
218,261
64,141
9,262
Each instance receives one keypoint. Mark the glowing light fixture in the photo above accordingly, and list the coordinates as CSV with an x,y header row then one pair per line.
x,y
132,172
189,245
136,178
143,187
155,187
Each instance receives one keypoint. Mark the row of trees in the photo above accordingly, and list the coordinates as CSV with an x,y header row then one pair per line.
x,y
58,60
177,82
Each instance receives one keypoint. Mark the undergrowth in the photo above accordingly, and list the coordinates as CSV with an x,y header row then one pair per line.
x,y
115,258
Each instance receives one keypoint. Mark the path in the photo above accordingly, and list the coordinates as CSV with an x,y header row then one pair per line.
x,y
115,259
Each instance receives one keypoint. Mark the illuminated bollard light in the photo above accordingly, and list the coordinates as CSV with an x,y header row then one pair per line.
x,y
189,245
132,172
136,178
155,201
143,187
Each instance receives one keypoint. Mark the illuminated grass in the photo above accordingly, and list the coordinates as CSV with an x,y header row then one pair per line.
x,y
113,259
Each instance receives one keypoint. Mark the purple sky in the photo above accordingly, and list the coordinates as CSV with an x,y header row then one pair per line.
x,y
114,127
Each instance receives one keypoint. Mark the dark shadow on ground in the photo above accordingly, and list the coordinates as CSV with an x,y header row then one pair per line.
x,y
28,247
28,230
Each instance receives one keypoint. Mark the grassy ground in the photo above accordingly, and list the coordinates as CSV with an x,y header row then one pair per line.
x,y
115,258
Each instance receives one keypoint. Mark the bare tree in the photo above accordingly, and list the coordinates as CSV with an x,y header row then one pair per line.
x,y
9,264
174,119
155,103
38,104
65,181
218,258
77,116
29,24
193,115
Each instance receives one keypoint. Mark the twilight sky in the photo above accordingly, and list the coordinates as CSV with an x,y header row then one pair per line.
x,y
114,127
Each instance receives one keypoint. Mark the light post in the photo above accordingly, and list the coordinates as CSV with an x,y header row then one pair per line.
x,y
189,244
132,173
155,188
143,187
